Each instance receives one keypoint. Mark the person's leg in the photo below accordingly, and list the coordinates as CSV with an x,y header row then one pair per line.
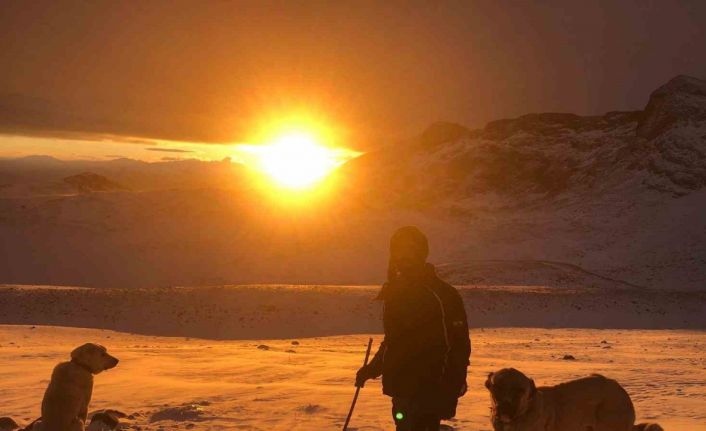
x,y
430,423
409,416
401,414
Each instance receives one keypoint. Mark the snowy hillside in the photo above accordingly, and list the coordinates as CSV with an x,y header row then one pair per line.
x,y
537,157
623,194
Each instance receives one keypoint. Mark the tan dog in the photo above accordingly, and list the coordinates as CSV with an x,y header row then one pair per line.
x,y
65,403
592,403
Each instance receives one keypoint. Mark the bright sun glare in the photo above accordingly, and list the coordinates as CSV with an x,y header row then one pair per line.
x,y
295,151
295,160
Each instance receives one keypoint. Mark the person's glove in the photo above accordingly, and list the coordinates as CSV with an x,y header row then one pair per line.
x,y
362,376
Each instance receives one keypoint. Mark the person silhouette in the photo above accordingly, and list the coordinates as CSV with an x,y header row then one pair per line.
x,y
424,357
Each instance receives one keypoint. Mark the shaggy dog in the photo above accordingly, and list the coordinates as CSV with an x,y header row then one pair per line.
x,y
592,403
65,403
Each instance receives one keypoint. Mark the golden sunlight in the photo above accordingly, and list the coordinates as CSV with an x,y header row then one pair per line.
x,y
294,159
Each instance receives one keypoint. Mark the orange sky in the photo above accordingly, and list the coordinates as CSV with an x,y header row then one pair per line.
x,y
111,148
211,71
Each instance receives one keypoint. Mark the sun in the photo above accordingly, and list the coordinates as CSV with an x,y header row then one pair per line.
x,y
293,155
296,160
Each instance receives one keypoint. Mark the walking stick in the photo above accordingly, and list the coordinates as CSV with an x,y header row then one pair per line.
x,y
357,389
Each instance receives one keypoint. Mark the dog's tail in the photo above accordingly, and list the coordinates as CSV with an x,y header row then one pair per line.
x,y
647,427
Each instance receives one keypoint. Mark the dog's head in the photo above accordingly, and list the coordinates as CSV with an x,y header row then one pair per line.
x,y
93,357
511,393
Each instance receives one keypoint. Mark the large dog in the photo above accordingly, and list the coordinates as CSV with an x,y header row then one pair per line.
x,y
65,403
593,403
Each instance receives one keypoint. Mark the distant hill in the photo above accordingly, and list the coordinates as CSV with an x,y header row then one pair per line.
x,y
44,175
88,182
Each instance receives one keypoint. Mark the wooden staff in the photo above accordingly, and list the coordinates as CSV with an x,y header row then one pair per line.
x,y
357,389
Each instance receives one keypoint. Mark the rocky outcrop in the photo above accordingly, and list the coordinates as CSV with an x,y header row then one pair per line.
x,y
8,424
442,132
682,100
674,125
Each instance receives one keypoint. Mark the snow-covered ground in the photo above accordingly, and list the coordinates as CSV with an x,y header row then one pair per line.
x,y
283,357
306,383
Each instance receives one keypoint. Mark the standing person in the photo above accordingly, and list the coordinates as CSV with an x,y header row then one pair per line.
x,y
424,357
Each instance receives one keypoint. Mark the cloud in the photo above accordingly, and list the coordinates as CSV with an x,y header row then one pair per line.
x,y
25,115
169,150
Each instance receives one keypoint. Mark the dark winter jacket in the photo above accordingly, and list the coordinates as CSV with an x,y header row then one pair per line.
x,y
426,348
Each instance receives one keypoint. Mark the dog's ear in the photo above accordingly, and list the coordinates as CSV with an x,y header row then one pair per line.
x,y
489,381
79,351
533,389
